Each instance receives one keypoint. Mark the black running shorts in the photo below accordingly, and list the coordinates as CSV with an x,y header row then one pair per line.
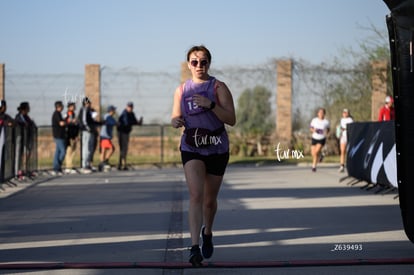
x,y
215,164
318,141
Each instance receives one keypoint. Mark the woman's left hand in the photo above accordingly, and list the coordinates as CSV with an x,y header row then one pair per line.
x,y
202,101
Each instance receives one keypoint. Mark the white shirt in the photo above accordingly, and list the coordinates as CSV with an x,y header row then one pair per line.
x,y
321,126
344,122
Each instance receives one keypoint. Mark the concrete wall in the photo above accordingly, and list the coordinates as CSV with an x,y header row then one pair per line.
x,y
185,72
93,85
284,102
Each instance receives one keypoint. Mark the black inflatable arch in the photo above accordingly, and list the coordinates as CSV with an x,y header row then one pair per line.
x,y
401,31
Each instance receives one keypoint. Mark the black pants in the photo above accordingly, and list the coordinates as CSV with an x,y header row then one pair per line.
x,y
93,141
123,139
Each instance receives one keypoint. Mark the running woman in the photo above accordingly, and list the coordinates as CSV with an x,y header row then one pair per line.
x,y
203,105
345,120
319,128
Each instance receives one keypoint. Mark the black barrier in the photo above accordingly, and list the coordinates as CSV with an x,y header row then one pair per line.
x,y
401,32
371,152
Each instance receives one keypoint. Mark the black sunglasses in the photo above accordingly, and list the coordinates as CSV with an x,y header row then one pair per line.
x,y
203,63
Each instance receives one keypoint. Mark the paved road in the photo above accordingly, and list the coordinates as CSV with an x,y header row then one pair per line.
x,y
268,217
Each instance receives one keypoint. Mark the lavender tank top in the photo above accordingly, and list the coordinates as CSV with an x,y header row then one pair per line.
x,y
198,117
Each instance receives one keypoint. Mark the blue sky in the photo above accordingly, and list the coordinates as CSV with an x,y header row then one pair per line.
x,y
57,36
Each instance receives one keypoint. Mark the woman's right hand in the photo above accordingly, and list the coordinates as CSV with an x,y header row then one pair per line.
x,y
177,122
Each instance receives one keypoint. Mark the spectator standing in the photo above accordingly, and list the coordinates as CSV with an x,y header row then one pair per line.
x,y
72,128
5,122
5,119
107,148
387,112
345,120
319,128
59,135
93,141
87,126
22,117
125,122
24,136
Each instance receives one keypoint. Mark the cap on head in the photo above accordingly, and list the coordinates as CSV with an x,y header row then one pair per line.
x,y
111,108
346,110
130,104
388,99
86,100
23,106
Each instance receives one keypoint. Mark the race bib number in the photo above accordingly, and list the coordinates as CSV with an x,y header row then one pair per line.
x,y
191,107
319,131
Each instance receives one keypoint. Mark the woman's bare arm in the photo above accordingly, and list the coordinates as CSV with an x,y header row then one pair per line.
x,y
176,117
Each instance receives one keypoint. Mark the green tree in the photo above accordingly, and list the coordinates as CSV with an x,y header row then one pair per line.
x,y
353,88
254,115
345,82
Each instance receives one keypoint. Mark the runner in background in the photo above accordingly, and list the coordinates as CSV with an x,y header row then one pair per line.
x,y
319,128
345,120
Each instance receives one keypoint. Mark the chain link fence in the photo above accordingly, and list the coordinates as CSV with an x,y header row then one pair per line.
x,y
152,94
